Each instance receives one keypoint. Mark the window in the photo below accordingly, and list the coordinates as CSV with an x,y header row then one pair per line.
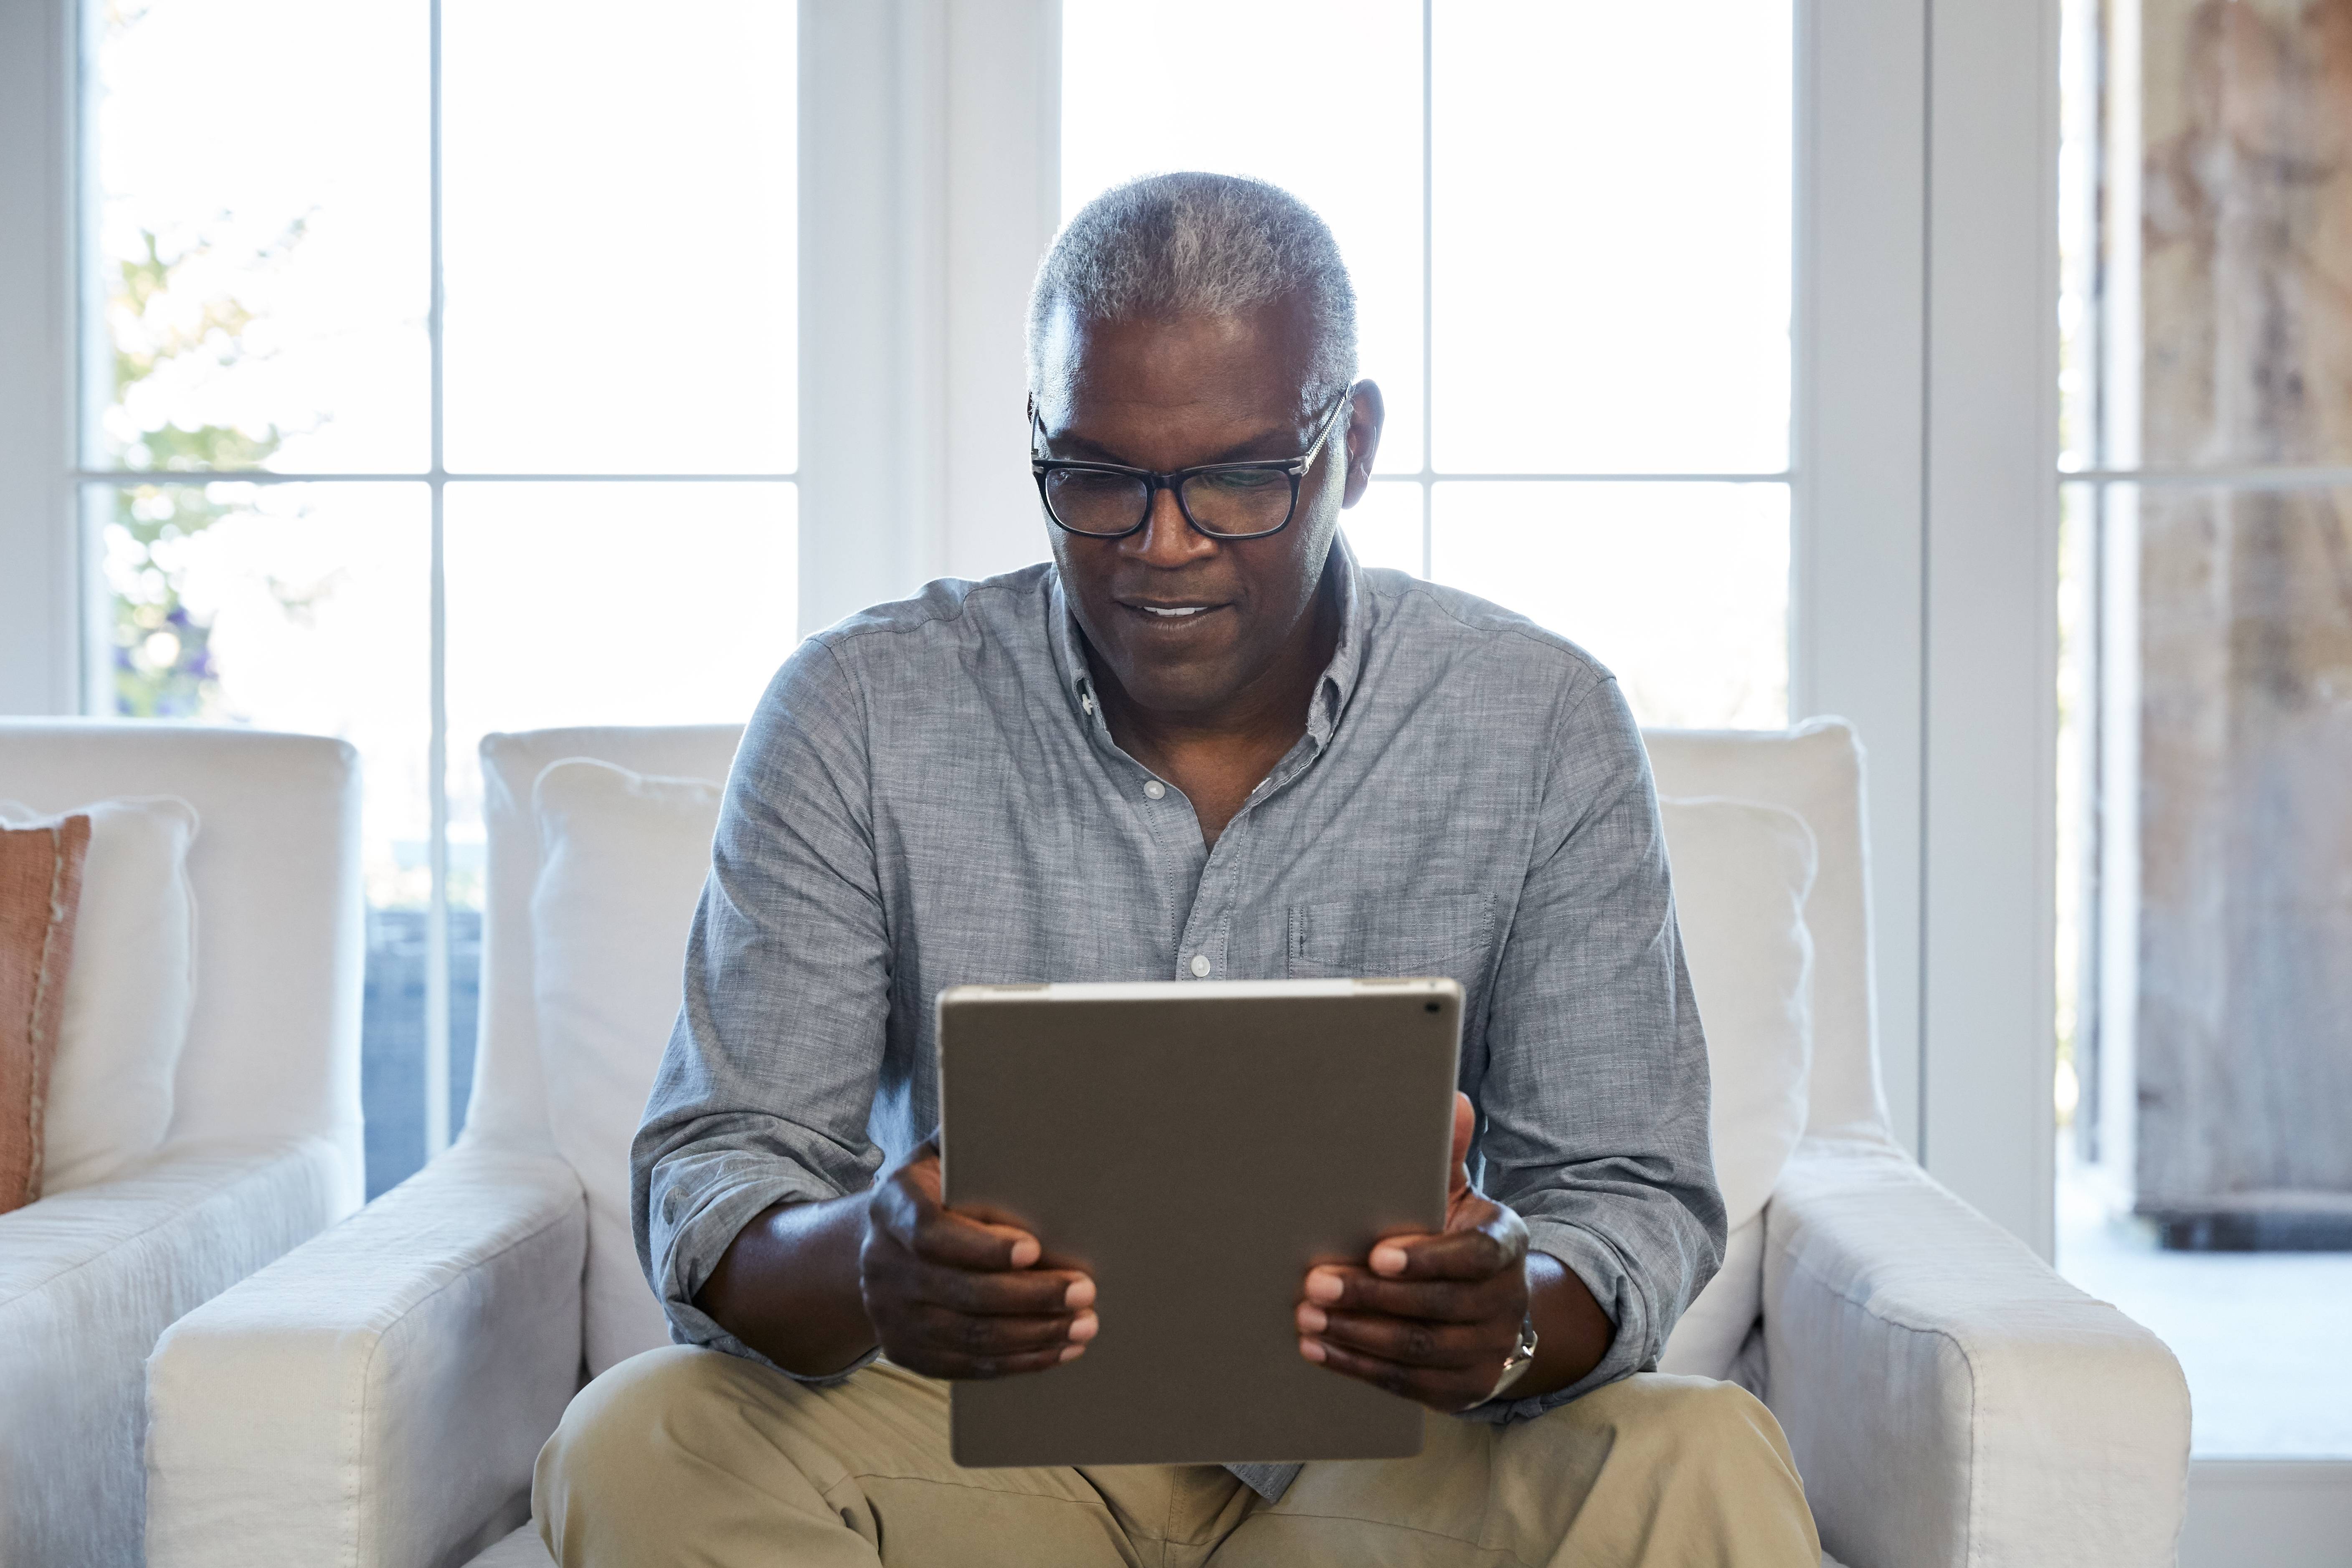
x,y
2206,865
1570,227
316,502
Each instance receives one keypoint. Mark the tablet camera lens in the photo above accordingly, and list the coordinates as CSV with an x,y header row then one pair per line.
x,y
1429,1006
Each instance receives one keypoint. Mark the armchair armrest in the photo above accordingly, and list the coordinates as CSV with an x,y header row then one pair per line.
x,y
379,1395
1949,1399
88,1279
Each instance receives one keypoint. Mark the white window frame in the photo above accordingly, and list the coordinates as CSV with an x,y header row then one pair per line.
x,y
1923,550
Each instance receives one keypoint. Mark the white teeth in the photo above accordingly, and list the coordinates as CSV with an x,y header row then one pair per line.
x,y
1188,610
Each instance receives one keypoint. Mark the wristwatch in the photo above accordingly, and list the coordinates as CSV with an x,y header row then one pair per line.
x,y
1522,1356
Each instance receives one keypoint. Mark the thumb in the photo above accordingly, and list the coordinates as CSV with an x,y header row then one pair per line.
x,y
1465,1126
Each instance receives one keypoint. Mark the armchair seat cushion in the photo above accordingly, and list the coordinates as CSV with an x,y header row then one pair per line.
x,y
88,1279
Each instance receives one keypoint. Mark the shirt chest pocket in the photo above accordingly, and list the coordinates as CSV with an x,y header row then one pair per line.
x,y
1447,936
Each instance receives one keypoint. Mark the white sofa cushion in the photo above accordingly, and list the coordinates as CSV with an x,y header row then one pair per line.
x,y
129,991
1742,871
623,859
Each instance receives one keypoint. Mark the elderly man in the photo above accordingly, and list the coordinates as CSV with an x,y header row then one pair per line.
x,y
1202,741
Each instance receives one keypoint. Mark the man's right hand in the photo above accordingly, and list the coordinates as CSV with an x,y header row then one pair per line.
x,y
960,1295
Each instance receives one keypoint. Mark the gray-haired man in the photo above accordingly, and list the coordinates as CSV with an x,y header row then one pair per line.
x,y
1202,741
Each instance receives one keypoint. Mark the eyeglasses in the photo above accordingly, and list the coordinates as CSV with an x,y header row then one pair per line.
x,y
1224,500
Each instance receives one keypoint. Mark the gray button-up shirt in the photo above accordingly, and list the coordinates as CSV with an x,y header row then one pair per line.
x,y
927,795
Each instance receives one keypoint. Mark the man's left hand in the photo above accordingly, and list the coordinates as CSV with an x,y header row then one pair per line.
x,y
1433,1318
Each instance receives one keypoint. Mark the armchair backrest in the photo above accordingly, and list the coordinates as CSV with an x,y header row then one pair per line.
x,y
1815,771
273,1046
509,1096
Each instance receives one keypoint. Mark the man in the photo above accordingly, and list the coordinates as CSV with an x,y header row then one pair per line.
x,y
1200,742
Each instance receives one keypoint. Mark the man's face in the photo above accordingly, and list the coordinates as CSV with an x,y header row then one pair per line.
x,y
1171,393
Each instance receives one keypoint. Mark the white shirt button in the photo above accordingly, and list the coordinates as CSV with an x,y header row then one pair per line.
x,y
1154,790
1200,966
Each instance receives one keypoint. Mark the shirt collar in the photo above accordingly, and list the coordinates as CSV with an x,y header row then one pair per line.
x,y
1331,693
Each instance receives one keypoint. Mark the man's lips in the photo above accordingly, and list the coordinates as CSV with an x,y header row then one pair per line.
x,y
1168,612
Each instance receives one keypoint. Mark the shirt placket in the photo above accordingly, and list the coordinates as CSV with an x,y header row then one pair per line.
x,y
1201,953
1201,944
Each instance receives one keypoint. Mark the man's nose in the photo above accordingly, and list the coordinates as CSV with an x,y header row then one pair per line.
x,y
1166,539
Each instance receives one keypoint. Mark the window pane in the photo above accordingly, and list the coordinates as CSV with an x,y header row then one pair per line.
x,y
1321,96
619,190
303,607
1611,273
1682,590
2225,300
2214,1015
1384,527
260,178
611,603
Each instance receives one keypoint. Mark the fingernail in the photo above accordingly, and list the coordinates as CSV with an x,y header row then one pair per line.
x,y
1322,1285
1311,1349
1312,1320
1025,1252
1388,1260
1081,1294
1083,1327
1072,1352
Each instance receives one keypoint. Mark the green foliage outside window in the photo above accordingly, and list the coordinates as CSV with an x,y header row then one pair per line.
x,y
161,654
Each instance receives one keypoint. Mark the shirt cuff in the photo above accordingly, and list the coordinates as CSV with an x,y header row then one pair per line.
x,y
1588,1256
700,1239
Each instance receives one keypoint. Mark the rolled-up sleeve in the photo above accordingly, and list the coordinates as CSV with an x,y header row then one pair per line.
x,y
1593,1103
768,1081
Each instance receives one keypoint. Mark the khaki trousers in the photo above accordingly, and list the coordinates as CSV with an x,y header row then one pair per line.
x,y
688,1455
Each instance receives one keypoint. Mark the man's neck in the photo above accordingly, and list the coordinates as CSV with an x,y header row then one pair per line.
x,y
1218,756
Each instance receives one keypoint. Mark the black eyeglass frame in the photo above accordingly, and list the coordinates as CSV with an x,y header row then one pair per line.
x,y
1295,468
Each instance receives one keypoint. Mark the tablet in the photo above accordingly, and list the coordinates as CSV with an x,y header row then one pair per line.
x,y
1195,1147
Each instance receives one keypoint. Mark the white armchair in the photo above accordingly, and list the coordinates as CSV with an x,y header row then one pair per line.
x,y
380,1394
1948,1398
263,1150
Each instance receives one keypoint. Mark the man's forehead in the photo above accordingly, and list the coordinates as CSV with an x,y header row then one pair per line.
x,y
1255,359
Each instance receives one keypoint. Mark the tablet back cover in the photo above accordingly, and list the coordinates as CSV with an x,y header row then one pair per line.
x,y
1195,1156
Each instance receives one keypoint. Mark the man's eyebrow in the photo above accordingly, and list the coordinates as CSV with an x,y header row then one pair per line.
x,y
1266,446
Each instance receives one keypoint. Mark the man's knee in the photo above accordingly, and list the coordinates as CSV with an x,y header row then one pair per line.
x,y
1707,1422
603,1443
1697,1424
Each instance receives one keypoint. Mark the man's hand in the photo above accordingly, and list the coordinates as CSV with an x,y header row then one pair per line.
x,y
954,1294
1434,1318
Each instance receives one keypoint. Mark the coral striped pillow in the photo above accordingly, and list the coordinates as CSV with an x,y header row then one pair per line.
x,y
41,892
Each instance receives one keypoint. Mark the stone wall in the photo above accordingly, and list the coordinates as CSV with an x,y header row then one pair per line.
x,y
2244,1038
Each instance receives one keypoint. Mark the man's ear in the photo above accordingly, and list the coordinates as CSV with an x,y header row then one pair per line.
x,y
1365,420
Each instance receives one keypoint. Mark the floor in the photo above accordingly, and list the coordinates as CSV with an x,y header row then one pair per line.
x,y
2265,1338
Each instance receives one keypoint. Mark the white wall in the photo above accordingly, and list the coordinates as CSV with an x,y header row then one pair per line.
x,y
1926,560
39,572
1992,556
930,181
1856,590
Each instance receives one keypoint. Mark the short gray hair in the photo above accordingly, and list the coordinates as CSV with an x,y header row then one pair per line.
x,y
1191,244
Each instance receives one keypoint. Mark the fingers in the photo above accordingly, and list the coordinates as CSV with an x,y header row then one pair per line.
x,y
907,1206
1413,1342
1336,1290
957,1295
1001,1339
1447,1389
1463,1255
1440,1342
957,1364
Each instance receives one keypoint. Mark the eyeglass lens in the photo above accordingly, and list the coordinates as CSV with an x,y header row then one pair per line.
x,y
1238,501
